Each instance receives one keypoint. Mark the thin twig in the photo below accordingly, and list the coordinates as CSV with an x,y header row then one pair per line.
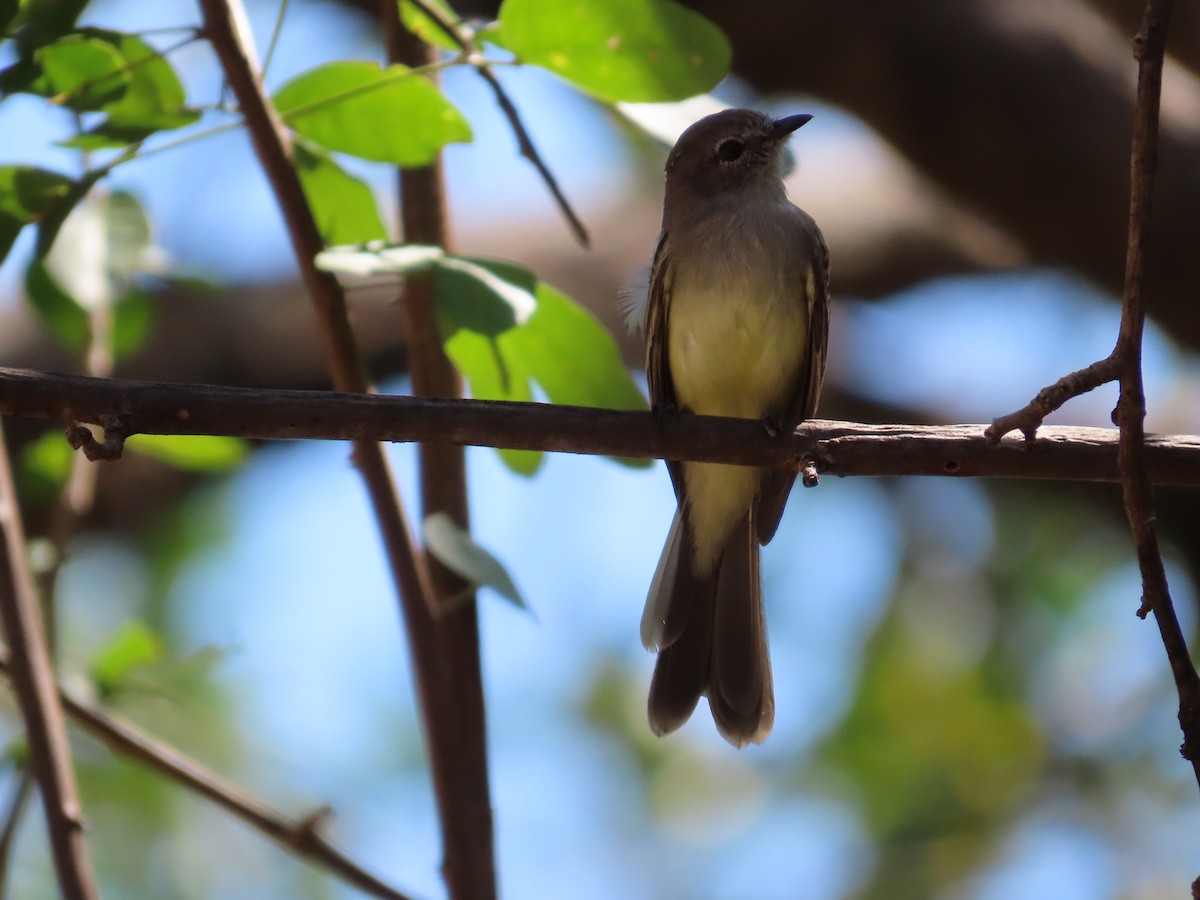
x,y
22,791
838,448
464,793
525,145
1029,418
300,836
1149,48
33,682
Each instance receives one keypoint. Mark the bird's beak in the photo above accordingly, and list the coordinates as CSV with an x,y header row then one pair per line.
x,y
781,128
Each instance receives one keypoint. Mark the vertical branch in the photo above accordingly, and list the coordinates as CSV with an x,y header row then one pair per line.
x,y
37,696
1149,47
226,30
468,840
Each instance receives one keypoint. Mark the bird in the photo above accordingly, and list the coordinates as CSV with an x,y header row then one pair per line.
x,y
737,324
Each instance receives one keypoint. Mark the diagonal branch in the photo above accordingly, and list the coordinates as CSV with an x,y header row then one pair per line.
x,y
226,30
838,448
299,836
525,145
34,683
1149,46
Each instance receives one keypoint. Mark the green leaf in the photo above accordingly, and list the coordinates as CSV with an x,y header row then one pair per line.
x,y
385,115
45,21
211,454
44,465
425,28
572,356
133,317
344,206
8,13
61,313
106,136
491,376
478,302
27,194
155,98
482,296
56,214
20,77
639,50
83,73
132,646
117,73
456,549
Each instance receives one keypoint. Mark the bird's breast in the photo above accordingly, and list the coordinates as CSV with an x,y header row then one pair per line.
x,y
736,338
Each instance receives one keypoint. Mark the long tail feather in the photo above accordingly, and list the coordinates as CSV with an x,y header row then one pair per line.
x,y
711,638
740,692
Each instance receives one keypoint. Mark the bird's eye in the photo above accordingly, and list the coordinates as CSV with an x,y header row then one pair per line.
x,y
728,151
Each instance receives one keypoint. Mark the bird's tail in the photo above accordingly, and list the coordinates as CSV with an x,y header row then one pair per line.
x,y
711,638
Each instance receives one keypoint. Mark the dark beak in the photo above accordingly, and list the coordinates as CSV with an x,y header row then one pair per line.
x,y
781,128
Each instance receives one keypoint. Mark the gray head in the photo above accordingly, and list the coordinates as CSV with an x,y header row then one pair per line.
x,y
730,151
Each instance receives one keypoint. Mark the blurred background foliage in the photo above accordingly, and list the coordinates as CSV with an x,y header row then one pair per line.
x,y
968,706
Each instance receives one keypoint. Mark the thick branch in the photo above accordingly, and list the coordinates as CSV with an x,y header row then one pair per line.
x,y
457,723
33,681
840,448
299,836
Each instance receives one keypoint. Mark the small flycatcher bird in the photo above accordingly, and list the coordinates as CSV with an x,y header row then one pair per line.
x,y
736,325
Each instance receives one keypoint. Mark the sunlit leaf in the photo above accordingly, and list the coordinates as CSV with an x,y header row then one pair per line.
x,y
478,301
386,115
384,259
491,376
130,647
457,550
425,28
212,454
573,357
83,73
344,206
155,100
641,50
27,194
117,73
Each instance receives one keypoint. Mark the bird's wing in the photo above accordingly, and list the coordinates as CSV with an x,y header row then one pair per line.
x,y
778,483
658,359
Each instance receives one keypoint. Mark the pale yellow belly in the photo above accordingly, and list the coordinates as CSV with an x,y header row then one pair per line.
x,y
730,358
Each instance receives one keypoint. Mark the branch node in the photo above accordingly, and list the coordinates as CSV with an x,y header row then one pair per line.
x,y
80,437
810,476
305,834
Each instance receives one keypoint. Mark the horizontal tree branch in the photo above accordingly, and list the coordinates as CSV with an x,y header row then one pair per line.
x,y
837,448
301,836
